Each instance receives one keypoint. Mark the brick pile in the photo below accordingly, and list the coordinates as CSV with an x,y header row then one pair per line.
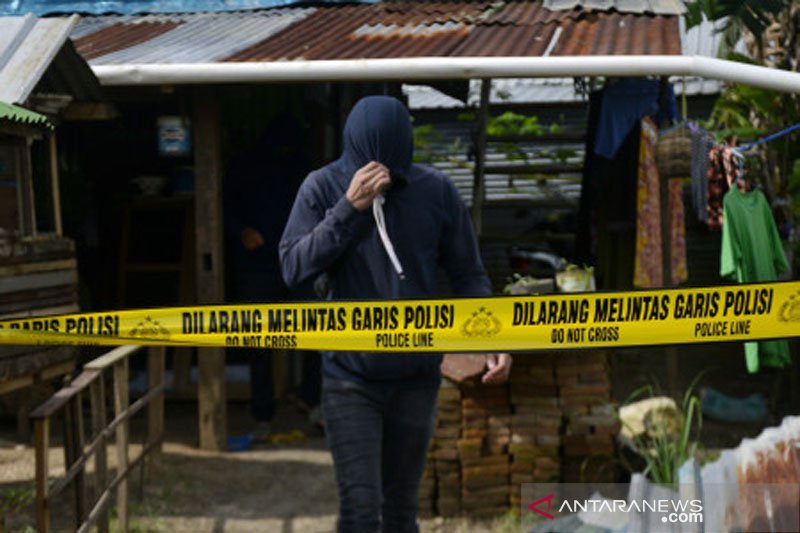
x,y
536,424
590,420
539,428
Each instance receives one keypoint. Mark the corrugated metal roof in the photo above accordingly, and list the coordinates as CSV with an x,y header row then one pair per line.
x,y
382,30
617,34
51,7
20,115
191,38
392,29
408,29
701,40
28,45
656,7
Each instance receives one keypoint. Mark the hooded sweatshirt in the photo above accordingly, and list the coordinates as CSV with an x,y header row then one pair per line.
x,y
426,221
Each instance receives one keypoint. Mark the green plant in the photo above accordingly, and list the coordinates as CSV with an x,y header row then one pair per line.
x,y
510,123
671,437
669,442
12,501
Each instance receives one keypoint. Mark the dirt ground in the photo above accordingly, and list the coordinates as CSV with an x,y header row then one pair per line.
x,y
291,487
273,487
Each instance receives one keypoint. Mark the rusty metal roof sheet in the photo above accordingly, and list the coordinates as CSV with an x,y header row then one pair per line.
x,y
617,34
391,29
188,38
380,30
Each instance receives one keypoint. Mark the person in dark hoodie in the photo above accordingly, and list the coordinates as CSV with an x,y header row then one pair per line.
x,y
376,226
258,193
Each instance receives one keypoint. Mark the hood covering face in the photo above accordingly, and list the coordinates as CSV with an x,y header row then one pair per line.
x,y
378,129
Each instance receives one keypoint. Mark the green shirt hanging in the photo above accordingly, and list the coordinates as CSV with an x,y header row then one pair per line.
x,y
752,252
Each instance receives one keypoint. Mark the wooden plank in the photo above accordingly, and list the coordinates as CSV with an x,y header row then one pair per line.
x,y
212,398
155,409
15,384
18,130
24,307
479,179
27,203
19,361
120,405
209,262
23,410
99,419
550,138
59,310
153,267
182,372
42,451
28,250
38,280
55,184
38,266
112,358
549,169
62,396
58,370
553,203
89,111
72,453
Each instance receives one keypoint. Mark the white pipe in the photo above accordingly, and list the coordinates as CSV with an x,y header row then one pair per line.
x,y
430,68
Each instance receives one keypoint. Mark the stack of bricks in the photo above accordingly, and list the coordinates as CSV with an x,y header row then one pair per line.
x,y
540,428
591,424
445,466
536,424
483,449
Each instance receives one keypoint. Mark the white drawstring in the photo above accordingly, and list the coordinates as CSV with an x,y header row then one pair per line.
x,y
380,221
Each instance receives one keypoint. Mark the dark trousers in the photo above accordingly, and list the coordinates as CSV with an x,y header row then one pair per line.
x,y
255,287
379,437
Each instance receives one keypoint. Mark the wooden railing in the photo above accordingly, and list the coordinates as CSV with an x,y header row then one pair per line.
x,y
77,453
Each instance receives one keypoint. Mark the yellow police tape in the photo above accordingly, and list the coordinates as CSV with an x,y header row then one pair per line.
x,y
508,323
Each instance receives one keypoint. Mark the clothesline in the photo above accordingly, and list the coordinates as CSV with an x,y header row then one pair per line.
x,y
694,127
769,138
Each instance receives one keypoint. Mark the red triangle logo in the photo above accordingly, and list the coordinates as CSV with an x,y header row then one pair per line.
x,y
535,506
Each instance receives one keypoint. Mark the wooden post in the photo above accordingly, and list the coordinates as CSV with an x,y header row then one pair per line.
x,y
42,438
120,404
24,396
479,179
73,449
27,204
99,421
55,185
208,249
155,409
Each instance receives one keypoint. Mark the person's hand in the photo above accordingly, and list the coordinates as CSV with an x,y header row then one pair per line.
x,y
367,183
251,239
498,368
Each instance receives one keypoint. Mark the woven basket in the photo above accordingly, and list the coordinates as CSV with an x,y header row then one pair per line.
x,y
674,152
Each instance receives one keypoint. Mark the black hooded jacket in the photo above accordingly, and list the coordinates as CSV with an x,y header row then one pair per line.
x,y
426,220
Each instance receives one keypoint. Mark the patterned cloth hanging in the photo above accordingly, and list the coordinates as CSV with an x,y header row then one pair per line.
x,y
677,230
648,266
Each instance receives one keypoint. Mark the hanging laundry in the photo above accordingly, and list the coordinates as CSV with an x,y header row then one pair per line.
x,y
648,267
722,171
624,103
702,143
752,252
677,230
